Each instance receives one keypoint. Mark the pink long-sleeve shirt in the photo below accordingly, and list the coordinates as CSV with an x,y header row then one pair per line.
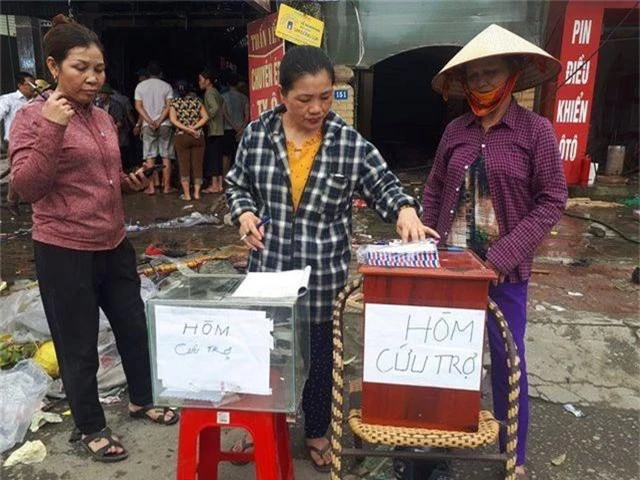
x,y
71,175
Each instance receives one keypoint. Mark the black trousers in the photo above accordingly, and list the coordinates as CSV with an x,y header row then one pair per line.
x,y
213,157
316,396
73,284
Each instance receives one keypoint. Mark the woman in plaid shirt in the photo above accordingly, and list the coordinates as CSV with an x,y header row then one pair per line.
x,y
497,185
301,164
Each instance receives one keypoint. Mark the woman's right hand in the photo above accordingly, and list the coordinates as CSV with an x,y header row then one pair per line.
x,y
248,222
57,109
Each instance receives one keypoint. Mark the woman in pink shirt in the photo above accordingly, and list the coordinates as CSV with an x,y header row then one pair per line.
x,y
66,162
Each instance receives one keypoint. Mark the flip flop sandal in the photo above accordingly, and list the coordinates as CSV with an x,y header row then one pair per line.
x,y
320,452
160,419
244,446
102,455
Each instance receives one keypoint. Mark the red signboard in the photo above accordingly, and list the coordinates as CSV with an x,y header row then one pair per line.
x,y
265,53
574,99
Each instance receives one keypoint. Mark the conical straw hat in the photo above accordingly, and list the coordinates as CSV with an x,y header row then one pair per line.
x,y
497,41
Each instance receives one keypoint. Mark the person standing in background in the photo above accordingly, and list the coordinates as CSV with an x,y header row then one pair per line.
x,y
188,115
9,105
213,151
152,99
236,118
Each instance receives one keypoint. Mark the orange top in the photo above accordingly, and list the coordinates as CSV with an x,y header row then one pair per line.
x,y
300,163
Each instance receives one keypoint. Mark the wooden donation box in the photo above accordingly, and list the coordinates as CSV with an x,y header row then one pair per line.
x,y
424,333
211,348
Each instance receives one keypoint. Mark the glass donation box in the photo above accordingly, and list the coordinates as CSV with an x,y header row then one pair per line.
x,y
210,348
423,342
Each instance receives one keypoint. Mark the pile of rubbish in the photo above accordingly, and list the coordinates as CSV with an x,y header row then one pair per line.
x,y
29,369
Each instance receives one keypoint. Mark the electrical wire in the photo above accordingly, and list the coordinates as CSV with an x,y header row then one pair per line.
x,y
584,63
613,229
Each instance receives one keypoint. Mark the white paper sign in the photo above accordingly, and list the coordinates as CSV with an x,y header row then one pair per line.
x,y
423,346
220,350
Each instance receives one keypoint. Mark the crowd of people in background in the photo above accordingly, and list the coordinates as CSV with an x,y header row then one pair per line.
x,y
193,132
180,126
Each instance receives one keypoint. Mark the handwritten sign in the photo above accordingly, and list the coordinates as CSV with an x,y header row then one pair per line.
x,y
220,350
298,27
423,346
265,53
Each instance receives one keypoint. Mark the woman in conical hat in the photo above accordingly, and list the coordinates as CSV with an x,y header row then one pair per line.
x,y
497,185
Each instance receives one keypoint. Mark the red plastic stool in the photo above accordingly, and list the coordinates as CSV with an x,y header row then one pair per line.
x,y
199,443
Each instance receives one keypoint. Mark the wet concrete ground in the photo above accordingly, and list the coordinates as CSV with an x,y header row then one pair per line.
x,y
581,349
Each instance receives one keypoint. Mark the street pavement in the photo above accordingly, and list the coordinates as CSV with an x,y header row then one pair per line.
x,y
582,348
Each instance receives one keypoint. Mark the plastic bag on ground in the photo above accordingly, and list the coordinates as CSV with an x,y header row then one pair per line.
x,y
21,391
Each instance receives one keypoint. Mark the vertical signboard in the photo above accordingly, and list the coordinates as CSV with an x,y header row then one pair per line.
x,y
574,100
265,53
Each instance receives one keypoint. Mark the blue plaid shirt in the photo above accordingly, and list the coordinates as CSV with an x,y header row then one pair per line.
x,y
318,232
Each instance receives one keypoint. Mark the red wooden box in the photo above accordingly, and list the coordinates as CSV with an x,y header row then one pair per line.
x,y
462,281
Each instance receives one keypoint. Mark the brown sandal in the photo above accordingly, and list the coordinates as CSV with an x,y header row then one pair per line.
x,y
102,454
160,419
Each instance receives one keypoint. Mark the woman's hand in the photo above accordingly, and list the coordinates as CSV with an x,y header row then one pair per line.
x,y
248,222
57,109
409,226
137,180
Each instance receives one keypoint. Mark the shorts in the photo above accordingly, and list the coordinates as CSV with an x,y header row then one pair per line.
x,y
158,143
229,144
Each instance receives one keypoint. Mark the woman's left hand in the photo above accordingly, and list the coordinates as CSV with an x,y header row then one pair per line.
x,y
409,226
137,180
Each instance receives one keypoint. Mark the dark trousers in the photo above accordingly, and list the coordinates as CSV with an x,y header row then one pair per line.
x,y
316,397
73,284
213,157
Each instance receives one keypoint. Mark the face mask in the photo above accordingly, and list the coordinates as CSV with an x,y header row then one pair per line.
x,y
483,103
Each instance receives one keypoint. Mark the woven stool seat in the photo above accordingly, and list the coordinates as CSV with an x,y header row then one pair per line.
x,y
487,434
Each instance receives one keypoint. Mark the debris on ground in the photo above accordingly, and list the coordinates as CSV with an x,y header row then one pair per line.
x,y
41,418
587,202
597,230
575,294
632,202
576,412
557,308
30,452
559,460
196,218
23,388
12,352
581,262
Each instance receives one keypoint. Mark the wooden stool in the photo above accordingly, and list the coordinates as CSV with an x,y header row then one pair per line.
x,y
199,446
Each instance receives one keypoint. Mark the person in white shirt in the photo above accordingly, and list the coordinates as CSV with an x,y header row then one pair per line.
x,y
152,99
9,105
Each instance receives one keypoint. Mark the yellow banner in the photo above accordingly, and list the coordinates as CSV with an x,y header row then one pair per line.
x,y
297,27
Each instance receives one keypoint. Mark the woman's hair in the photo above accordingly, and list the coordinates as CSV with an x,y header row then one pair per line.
x,y
64,35
183,88
301,61
209,74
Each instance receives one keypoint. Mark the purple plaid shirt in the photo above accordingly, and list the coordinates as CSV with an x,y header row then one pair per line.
x,y
526,181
